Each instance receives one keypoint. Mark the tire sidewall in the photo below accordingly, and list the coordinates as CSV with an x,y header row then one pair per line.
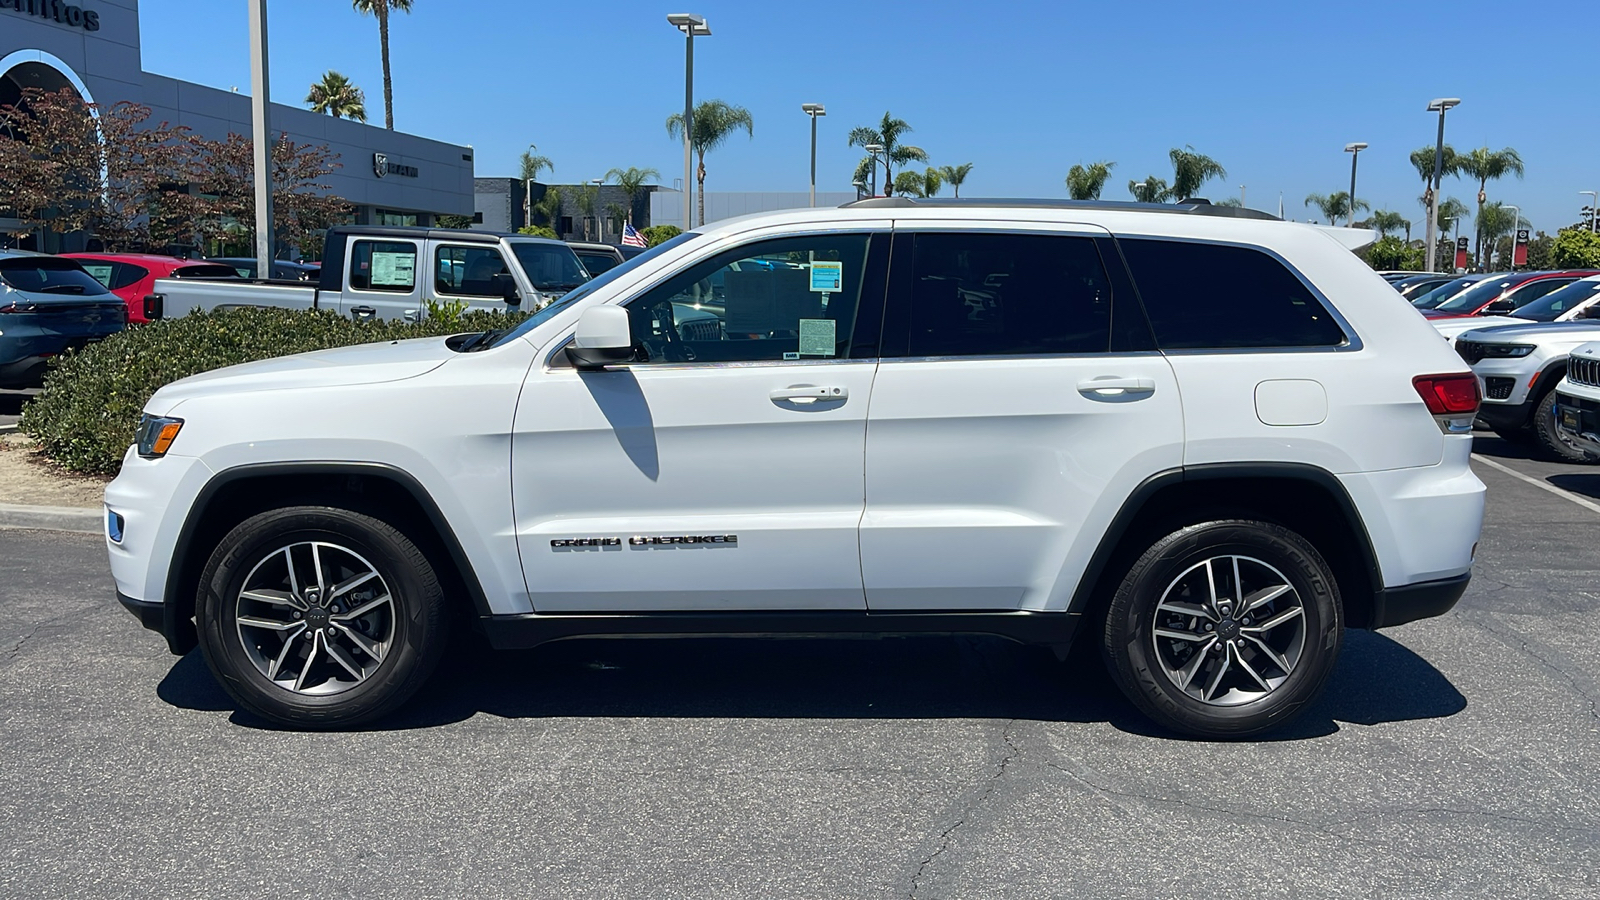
x,y
1549,434
417,619
1132,654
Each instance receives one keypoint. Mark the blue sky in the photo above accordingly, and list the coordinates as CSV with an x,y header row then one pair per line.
x,y
1023,90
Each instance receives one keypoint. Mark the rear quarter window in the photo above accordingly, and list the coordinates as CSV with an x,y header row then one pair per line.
x,y
1219,296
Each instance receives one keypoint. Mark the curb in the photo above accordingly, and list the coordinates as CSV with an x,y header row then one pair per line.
x,y
75,519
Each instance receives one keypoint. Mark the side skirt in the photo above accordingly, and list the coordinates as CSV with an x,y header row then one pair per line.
x,y
532,629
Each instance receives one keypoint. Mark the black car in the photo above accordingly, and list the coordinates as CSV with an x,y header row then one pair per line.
x,y
282,269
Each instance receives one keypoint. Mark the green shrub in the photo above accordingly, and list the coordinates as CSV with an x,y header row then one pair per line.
x,y
1392,253
85,417
660,234
1576,249
539,231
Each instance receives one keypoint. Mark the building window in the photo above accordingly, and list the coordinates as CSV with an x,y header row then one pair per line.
x,y
390,217
566,225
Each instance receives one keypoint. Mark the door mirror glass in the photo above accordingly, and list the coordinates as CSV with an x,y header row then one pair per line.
x,y
602,338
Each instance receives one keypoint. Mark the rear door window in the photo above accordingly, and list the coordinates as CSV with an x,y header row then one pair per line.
x,y
1008,295
469,271
383,266
1219,296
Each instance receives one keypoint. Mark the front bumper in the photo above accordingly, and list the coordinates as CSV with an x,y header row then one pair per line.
x,y
150,615
1506,416
1408,603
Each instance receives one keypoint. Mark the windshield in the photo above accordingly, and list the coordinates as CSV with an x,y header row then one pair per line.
x,y
551,267
1550,307
48,275
1480,295
1443,292
589,287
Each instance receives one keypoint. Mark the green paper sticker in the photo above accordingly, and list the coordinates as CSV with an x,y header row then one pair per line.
x,y
817,337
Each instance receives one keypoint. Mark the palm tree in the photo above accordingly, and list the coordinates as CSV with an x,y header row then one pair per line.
x,y
1190,170
887,134
1385,221
548,208
380,9
1494,222
1086,183
1335,205
1488,165
337,97
1422,161
714,123
919,184
588,193
632,180
1150,190
1451,212
531,165
955,176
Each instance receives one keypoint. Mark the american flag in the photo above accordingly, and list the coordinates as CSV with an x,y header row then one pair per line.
x,y
631,237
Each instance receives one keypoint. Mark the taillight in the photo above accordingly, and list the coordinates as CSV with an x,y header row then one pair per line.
x,y
1453,400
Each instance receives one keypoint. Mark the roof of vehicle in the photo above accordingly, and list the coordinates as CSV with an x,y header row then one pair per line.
x,y
1194,207
421,232
138,257
18,254
594,246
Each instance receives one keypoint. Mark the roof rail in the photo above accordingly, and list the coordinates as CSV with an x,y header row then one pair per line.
x,y
1194,207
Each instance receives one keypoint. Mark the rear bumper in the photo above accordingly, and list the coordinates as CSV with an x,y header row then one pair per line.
x,y
1408,603
24,373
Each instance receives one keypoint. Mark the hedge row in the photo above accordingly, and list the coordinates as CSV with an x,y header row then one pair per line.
x,y
85,417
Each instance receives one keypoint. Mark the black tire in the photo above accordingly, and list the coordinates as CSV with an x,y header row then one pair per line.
x,y
1140,661
1549,436
410,630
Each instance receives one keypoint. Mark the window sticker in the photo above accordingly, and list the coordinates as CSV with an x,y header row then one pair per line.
x,y
827,277
100,273
393,269
817,337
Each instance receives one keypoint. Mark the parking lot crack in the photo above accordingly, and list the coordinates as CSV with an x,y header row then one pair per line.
x,y
947,837
17,647
1524,646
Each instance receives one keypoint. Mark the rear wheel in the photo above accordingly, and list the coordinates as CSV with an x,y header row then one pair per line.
x,y
316,617
1224,629
1551,438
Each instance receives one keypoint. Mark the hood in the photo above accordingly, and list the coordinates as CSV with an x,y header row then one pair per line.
x,y
1453,328
339,367
1541,332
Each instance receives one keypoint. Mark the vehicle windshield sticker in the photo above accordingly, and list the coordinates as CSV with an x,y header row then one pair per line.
x,y
827,277
817,337
391,268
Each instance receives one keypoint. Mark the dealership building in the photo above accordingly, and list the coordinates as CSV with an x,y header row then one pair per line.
x,y
92,46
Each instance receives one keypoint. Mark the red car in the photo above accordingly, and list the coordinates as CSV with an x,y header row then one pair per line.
x,y
132,276
1498,295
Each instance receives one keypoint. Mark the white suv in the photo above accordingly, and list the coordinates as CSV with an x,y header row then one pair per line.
x,y
1208,438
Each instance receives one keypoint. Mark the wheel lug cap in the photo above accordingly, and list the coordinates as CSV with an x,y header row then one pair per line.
x,y
297,614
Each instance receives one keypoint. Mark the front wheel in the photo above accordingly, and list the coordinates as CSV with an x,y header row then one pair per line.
x,y
316,617
1224,629
1551,437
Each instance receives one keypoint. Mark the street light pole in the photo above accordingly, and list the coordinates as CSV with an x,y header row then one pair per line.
x,y
813,110
1241,195
261,132
1516,216
874,150
692,26
1355,153
1594,207
599,224
1441,105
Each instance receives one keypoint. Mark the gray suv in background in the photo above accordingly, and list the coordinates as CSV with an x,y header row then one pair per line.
x,y
49,305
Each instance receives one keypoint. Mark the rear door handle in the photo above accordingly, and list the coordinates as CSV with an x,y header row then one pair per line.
x,y
809,393
1111,386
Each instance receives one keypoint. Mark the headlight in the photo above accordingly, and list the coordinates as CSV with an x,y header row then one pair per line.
x,y
1506,351
156,434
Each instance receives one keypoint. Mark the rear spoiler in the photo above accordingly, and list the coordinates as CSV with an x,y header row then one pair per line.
x,y
1351,239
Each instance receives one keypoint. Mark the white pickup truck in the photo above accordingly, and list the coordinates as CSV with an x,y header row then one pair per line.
x,y
391,272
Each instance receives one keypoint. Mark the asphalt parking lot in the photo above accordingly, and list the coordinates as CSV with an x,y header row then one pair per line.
x,y
1451,757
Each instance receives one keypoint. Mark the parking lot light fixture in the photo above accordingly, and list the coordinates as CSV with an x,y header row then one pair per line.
x,y
1355,153
1594,207
875,149
1516,216
813,110
692,26
1439,105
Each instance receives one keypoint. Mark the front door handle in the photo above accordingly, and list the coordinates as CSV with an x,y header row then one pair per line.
x,y
809,393
363,312
1113,386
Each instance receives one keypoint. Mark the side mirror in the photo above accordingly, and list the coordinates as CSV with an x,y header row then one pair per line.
x,y
602,338
508,288
1592,311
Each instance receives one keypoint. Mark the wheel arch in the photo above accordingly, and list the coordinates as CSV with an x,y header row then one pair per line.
x,y
236,494
1303,498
